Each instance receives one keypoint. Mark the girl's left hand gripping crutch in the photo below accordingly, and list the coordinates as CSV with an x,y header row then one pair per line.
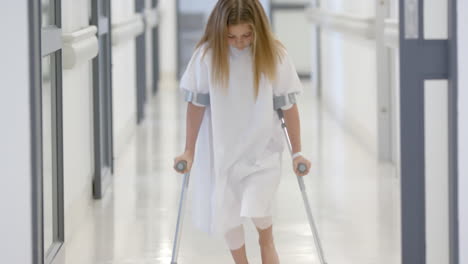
x,y
302,168
180,166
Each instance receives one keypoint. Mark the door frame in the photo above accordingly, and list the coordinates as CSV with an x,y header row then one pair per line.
x,y
40,47
35,73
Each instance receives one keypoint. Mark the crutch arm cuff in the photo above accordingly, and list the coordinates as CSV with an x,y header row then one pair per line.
x,y
198,99
285,101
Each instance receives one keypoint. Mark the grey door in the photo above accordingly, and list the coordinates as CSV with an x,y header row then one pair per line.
x,y
155,36
102,98
191,19
428,102
140,65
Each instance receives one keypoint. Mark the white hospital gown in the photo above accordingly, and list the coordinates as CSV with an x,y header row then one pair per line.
x,y
237,163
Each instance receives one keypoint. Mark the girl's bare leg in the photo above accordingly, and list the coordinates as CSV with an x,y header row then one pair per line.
x,y
236,242
240,256
267,245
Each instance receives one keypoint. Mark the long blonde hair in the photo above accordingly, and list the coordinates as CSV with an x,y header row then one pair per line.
x,y
266,50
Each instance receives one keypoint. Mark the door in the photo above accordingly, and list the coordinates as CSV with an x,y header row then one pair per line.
x,y
428,91
102,98
140,44
155,36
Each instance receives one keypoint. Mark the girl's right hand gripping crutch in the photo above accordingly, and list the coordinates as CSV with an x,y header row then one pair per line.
x,y
302,168
180,166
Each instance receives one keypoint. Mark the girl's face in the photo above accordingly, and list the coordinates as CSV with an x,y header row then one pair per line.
x,y
240,36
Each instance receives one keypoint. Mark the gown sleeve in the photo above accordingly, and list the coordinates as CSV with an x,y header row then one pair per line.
x,y
287,84
194,82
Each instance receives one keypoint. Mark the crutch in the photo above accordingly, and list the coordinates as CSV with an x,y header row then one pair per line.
x,y
180,166
302,168
201,99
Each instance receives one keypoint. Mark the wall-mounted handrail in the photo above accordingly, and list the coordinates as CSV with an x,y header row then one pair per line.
x,y
361,26
79,46
342,22
127,30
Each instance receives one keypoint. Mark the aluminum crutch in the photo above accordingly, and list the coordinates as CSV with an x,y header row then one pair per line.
x,y
180,166
302,167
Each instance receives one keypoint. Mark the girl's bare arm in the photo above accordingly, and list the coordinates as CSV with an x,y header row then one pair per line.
x,y
293,123
194,119
291,117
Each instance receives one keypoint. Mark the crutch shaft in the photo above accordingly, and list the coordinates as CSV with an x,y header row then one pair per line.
x,y
300,180
180,218
314,229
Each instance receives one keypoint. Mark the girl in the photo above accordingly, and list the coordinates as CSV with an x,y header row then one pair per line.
x,y
234,73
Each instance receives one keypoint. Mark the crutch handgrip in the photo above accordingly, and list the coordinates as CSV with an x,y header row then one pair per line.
x,y
301,167
181,166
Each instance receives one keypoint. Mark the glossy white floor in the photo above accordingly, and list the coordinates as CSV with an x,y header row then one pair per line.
x,y
355,200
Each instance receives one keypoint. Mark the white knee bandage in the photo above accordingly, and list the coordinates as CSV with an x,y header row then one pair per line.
x,y
235,238
263,222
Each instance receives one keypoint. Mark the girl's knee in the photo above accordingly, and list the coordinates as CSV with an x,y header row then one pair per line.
x,y
235,238
263,223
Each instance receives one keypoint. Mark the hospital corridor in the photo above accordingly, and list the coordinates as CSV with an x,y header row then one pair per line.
x,y
93,114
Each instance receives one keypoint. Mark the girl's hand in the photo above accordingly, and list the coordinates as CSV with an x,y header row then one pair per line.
x,y
187,156
297,161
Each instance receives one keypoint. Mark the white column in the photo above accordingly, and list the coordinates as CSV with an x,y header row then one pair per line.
x,y
125,26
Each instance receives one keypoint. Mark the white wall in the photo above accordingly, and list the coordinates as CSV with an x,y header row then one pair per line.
x,y
297,41
15,162
77,124
394,9
123,80
463,129
200,6
349,75
358,7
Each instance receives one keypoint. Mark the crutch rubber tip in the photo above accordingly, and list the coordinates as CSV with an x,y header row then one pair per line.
x,y
181,165
302,167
